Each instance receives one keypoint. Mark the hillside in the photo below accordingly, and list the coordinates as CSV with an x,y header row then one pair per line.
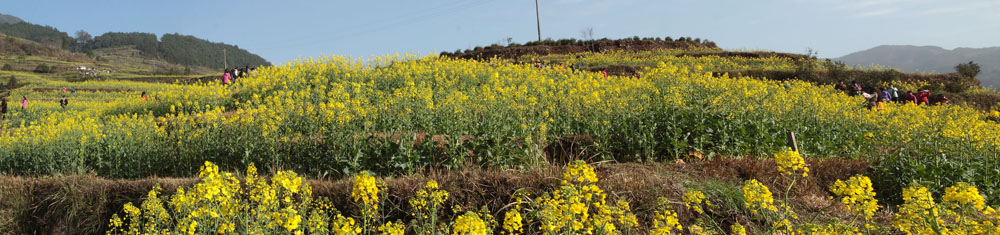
x,y
13,46
173,48
122,63
9,19
931,58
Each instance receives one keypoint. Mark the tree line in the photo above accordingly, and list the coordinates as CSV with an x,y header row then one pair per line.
x,y
173,48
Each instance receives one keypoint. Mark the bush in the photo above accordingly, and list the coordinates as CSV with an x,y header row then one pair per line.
x,y
970,69
43,68
957,86
11,83
7,67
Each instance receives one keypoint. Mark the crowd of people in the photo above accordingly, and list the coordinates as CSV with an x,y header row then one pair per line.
x,y
230,75
876,97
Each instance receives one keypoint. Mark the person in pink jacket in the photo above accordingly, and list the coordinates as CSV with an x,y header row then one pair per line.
x,y
226,77
24,102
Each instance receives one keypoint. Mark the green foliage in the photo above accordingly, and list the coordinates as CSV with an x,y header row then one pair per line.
x,y
7,67
935,171
145,42
970,69
11,82
42,34
957,86
44,68
836,71
189,50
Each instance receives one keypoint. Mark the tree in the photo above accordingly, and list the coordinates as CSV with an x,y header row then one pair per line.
x,y
7,67
970,69
12,82
83,37
587,34
43,68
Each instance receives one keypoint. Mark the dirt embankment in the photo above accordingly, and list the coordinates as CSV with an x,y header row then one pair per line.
x,y
569,47
83,204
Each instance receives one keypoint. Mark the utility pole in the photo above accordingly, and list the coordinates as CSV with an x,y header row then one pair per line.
x,y
538,21
225,64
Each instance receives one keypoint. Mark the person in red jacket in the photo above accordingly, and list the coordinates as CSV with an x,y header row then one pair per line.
x,y
922,97
909,98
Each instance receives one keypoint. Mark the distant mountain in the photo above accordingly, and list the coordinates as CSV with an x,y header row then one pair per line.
x,y
931,58
9,19
173,48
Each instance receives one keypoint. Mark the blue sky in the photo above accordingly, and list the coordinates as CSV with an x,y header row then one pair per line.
x,y
284,30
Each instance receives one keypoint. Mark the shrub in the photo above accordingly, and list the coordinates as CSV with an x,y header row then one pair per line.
x,y
43,68
970,69
7,67
11,82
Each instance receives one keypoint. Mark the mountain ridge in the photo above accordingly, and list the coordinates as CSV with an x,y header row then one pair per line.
x,y
911,58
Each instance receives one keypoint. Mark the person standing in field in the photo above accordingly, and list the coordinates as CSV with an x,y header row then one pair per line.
x,y
142,97
63,102
885,95
909,98
24,102
856,87
3,108
942,100
893,93
226,77
841,86
922,97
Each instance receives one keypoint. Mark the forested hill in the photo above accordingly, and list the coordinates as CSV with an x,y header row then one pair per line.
x,y
9,19
173,48
183,49
179,49
42,34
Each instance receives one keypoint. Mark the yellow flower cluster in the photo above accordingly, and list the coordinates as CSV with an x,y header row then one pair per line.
x,y
578,172
693,200
366,189
737,229
652,57
757,197
665,220
790,162
392,229
513,223
857,195
962,211
829,229
963,194
425,206
222,204
579,205
469,223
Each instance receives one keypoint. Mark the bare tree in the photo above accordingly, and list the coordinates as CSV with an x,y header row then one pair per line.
x,y
83,36
587,33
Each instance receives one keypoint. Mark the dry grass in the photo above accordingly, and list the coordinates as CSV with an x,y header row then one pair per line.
x,y
82,204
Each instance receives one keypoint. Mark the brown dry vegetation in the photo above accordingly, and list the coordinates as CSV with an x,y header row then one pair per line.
x,y
514,52
82,204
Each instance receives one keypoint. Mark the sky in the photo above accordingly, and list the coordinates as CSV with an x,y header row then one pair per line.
x,y
284,30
